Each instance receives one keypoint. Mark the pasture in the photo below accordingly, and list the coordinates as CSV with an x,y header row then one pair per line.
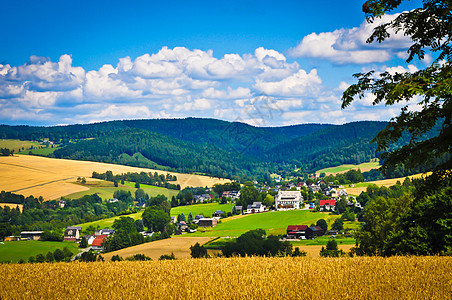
x,y
53,178
108,223
362,187
205,209
364,167
425,277
179,245
18,145
14,251
273,222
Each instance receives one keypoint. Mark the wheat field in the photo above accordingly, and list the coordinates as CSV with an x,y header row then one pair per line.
x,y
233,278
53,178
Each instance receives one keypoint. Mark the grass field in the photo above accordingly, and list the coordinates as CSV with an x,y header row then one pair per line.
x,y
107,223
53,178
274,222
201,209
362,187
14,251
180,246
234,278
364,167
17,145
40,151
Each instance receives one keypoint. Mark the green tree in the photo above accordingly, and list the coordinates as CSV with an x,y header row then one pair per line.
x,y
83,243
322,224
331,245
49,257
140,195
181,217
428,27
190,218
269,200
155,218
248,195
31,259
338,224
198,251
40,258
58,255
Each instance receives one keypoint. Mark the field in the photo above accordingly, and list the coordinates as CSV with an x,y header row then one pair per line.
x,y
274,222
362,187
201,209
234,278
53,178
14,251
107,223
364,167
12,205
180,246
17,145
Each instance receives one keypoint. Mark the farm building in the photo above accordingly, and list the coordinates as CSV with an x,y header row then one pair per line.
x,y
12,238
31,235
313,232
297,231
207,222
217,214
104,231
327,204
286,200
72,233
98,241
256,207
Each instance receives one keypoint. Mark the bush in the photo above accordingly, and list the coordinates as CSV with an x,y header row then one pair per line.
x,y
49,257
58,255
198,251
297,252
116,258
40,258
139,257
338,224
167,257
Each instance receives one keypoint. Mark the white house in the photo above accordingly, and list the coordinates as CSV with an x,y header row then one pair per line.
x,y
286,200
256,207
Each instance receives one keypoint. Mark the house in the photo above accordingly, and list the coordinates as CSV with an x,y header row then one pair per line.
x,y
104,232
238,209
89,238
61,203
12,238
290,185
313,232
231,194
286,200
256,207
297,231
207,222
141,205
31,235
327,204
217,214
98,241
114,200
72,233
342,192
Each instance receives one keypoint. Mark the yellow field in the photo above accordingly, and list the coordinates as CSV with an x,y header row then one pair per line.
x,y
53,178
180,246
12,205
386,182
314,250
233,278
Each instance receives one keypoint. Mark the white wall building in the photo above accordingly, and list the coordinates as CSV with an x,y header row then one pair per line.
x,y
286,200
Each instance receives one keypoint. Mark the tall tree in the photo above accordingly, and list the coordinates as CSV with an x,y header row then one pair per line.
x,y
429,28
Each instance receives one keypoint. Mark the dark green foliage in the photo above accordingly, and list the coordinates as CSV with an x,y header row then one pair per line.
x,y
138,257
90,256
322,224
348,215
167,257
58,255
126,235
49,257
248,195
31,260
198,251
116,258
297,252
6,152
155,219
51,236
338,224
331,245
5,230
150,178
254,243
40,258
83,243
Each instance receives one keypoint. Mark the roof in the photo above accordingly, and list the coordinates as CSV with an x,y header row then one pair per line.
x,y
74,227
316,228
31,232
327,202
297,227
218,212
99,240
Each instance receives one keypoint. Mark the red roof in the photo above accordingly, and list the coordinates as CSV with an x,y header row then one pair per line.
x,y
328,202
99,240
297,227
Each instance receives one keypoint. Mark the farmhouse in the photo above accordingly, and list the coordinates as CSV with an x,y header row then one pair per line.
x,y
104,232
207,222
31,235
217,214
286,200
72,233
256,207
98,241
297,231
327,204
313,232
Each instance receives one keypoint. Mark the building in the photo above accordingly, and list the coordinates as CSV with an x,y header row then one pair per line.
x,y
98,241
297,231
217,214
12,238
207,222
329,204
104,232
89,238
256,207
31,235
72,233
313,232
286,200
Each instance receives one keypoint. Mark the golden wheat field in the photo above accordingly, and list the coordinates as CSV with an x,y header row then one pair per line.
x,y
233,278
11,205
53,178
179,245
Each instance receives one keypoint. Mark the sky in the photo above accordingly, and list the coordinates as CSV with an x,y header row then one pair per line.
x,y
266,63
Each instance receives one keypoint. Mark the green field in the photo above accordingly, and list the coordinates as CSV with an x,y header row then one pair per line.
x,y
40,151
108,223
201,209
274,222
106,189
17,145
14,251
343,168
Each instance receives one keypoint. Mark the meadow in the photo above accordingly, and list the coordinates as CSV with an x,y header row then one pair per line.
x,y
108,222
16,250
52,178
364,167
274,222
234,278
362,187
18,145
205,209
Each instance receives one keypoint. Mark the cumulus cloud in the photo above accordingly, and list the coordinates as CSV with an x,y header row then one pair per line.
x,y
348,45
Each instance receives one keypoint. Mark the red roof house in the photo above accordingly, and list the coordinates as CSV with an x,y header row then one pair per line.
x,y
327,204
98,241
296,230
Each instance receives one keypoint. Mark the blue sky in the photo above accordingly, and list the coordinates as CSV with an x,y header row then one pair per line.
x,y
65,62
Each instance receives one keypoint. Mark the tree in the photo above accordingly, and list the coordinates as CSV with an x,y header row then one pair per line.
x,y
331,245
137,185
190,218
40,258
198,251
83,242
322,224
429,30
338,224
269,200
49,257
248,195
58,255
155,218
140,195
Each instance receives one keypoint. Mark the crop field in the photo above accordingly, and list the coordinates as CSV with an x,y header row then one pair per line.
x,y
364,167
12,205
14,251
234,278
201,209
362,187
274,222
108,223
53,178
179,245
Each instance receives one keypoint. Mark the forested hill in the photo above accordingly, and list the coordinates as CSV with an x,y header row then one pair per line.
x,y
220,148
